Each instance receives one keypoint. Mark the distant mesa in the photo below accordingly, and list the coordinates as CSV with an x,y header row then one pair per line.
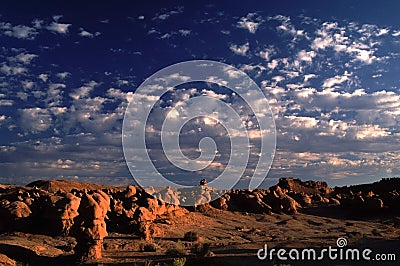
x,y
54,186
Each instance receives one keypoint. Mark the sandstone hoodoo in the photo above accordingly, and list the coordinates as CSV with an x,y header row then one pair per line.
x,y
91,225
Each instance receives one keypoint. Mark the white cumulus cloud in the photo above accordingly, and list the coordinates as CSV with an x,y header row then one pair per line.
x,y
251,22
240,49
61,28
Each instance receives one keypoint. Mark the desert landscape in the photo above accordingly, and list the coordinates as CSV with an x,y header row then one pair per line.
x,y
67,223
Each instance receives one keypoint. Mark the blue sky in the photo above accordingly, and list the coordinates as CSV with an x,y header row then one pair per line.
x,y
329,70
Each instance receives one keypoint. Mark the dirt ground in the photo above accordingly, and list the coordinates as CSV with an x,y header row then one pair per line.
x,y
236,237
233,237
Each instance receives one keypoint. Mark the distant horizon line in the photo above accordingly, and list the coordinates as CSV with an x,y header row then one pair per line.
x,y
133,183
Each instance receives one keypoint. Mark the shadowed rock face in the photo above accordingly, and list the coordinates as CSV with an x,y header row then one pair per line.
x,y
89,212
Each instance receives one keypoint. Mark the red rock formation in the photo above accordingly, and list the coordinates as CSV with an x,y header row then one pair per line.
x,y
92,211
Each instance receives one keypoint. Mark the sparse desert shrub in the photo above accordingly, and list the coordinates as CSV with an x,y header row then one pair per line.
x,y
201,249
353,234
176,249
148,247
191,236
21,263
179,262
376,232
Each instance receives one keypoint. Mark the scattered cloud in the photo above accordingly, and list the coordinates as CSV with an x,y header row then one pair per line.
x,y
240,49
37,23
371,132
336,37
57,17
306,56
84,91
61,28
251,22
331,82
6,102
12,70
63,75
43,77
23,58
164,14
35,120
396,33
18,31
84,33
267,53
185,32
